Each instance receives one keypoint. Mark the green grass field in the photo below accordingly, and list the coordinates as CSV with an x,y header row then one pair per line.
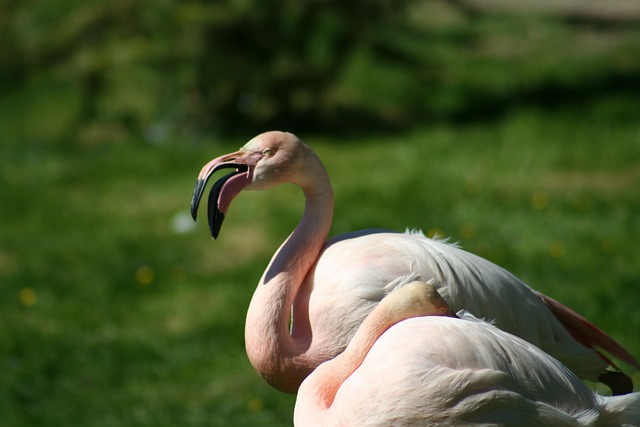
x,y
116,310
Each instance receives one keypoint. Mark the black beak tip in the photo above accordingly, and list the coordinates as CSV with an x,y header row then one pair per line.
x,y
215,215
194,212
215,225
197,195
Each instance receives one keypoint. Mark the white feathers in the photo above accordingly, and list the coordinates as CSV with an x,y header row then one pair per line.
x,y
442,371
371,265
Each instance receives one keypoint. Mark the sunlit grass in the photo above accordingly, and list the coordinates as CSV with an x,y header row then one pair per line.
x,y
115,310
113,316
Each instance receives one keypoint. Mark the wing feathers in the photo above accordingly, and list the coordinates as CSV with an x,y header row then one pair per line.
x,y
586,332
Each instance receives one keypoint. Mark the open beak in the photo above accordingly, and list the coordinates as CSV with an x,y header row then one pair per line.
x,y
226,188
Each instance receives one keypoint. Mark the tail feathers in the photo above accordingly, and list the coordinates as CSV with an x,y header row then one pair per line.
x,y
587,333
620,410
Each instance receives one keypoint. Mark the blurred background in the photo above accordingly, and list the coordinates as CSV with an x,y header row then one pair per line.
x,y
513,129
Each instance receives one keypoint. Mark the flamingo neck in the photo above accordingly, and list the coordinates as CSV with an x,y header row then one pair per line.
x,y
318,392
280,356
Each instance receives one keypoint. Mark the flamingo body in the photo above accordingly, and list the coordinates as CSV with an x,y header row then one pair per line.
x,y
329,288
442,371
372,265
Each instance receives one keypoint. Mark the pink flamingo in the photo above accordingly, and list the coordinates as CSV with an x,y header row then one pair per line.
x,y
401,369
314,294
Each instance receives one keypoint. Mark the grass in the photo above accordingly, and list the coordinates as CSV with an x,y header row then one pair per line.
x,y
117,310
114,311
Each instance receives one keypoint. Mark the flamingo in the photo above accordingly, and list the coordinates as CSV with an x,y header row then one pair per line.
x,y
402,369
314,293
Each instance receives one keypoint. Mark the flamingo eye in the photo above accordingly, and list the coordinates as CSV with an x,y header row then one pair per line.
x,y
267,152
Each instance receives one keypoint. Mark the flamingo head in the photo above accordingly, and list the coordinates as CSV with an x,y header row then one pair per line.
x,y
417,299
268,159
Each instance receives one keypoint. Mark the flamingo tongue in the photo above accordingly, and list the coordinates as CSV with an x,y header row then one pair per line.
x,y
221,195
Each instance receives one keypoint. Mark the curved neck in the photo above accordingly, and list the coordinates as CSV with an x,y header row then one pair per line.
x,y
319,390
281,357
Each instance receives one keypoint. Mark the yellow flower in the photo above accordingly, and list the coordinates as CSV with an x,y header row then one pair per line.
x,y
255,404
539,199
145,275
557,249
27,297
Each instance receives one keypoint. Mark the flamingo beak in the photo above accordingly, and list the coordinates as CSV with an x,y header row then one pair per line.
x,y
226,188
